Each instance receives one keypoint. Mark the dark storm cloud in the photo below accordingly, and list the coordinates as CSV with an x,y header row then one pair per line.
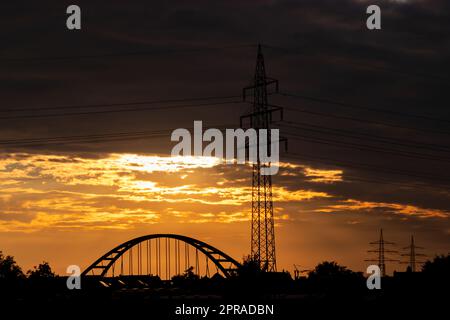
x,y
332,55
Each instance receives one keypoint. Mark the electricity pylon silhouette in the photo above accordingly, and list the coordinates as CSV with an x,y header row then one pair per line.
x,y
381,251
263,230
412,254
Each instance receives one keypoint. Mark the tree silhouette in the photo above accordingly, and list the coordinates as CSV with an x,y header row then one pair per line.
x,y
329,269
250,268
9,270
187,275
11,277
331,277
437,271
440,266
187,279
43,271
42,280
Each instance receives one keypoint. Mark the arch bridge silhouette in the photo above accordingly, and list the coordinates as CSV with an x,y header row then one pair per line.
x,y
163,255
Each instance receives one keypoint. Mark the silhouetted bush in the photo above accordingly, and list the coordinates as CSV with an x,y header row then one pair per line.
x,y
439,266
11,277
329,277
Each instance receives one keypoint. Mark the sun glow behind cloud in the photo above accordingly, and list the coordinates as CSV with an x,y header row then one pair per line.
x,y
120,191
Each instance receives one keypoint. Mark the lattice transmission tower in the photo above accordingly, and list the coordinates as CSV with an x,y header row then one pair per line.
x,y
381,251
262,229
413,254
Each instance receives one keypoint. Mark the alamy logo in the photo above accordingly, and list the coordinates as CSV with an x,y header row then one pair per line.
x,y
237,142
374,20
374,280
74,280
73,22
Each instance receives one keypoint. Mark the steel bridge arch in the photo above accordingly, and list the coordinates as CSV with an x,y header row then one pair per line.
x,y
218,257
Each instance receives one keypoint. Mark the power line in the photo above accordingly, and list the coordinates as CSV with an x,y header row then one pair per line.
x,y
82,139
444,180
120,104
385,182
94,138
363,136
361,107
133,135
68,114
362,147
351,178
138,135
372,168
356,165
359,120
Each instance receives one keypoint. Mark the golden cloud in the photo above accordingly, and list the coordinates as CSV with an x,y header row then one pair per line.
x,y
402,209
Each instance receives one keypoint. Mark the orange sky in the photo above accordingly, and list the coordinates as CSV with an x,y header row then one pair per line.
x,y
70,210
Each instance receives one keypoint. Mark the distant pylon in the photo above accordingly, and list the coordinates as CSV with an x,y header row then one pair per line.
x,y
262,230
412,254
381,251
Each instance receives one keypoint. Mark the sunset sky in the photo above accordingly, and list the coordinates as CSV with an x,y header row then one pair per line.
x,y
349,169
